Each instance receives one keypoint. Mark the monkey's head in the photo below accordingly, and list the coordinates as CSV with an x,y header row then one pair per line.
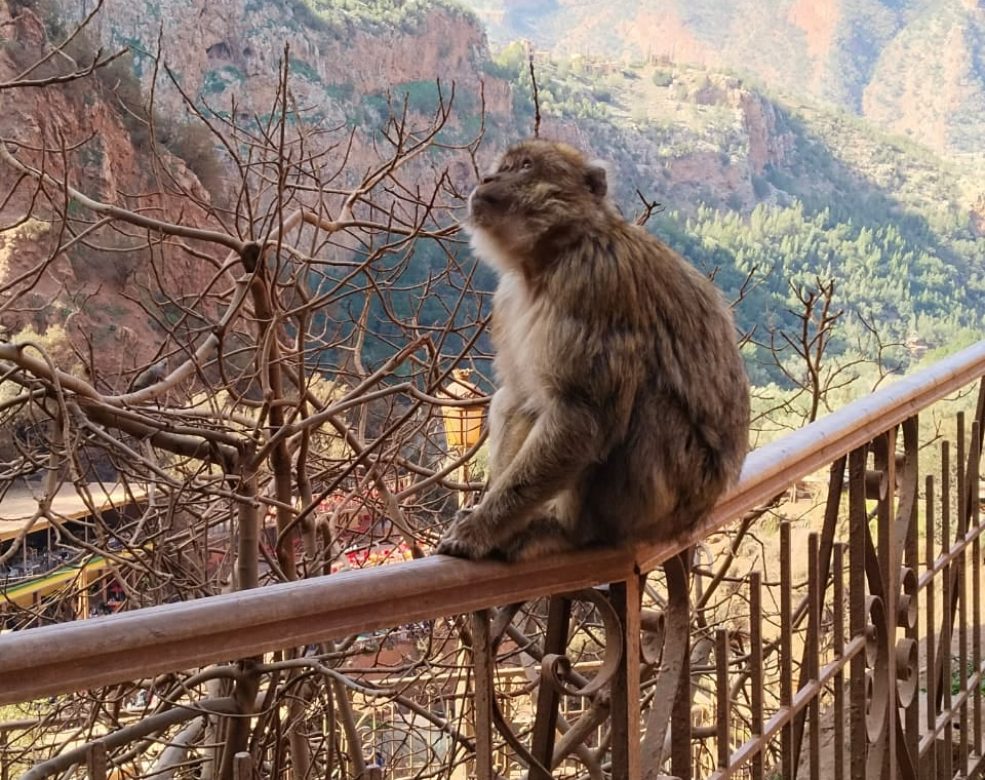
x,y
539,193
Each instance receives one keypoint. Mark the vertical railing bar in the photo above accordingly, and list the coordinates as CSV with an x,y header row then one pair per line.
x,y
838,646
832,509
930,640
961,480
548,698
680,731
856,606
756,668
967,499
963,718
974,456
814,650
889,574
625,730
97,761
243,766
972,498
786,650
911,555
724,702
947,614
4,766
484,683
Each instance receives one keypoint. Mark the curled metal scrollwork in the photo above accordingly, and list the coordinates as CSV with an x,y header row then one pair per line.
x,y
877,656
556,669
907,670
906,608
654,625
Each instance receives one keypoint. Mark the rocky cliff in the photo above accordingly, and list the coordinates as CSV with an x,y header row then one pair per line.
x,y
687,136
916,67
220,50
90,290
345,73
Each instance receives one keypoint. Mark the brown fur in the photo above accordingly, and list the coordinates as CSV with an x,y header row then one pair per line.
x,y
623,406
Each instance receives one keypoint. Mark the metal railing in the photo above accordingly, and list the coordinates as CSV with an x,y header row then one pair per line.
x,y
859,655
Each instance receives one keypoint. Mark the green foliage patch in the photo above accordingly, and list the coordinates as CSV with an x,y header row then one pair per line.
x,y
408,16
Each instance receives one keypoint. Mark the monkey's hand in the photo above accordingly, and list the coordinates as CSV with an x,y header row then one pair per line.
x,y
468,537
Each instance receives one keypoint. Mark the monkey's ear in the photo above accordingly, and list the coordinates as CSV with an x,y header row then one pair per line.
x,y
596,178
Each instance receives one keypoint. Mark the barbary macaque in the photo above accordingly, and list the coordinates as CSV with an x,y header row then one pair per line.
x,y
622,411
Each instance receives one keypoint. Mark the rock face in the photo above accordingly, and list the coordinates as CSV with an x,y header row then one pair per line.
x,y
679,164
85,290
768,143
220,52
915,67
943,102
818,19
221,49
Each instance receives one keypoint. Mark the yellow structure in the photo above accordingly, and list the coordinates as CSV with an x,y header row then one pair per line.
x,y
16,511
31,591
463,424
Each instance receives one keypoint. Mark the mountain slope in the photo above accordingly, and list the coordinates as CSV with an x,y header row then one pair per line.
x,y
914,66
345,57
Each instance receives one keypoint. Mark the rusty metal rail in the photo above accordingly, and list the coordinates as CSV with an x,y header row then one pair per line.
x,y
845,663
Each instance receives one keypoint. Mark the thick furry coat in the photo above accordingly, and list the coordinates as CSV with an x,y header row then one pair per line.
x,y
623,405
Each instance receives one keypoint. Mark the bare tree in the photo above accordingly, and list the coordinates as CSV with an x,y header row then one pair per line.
x,y
288,421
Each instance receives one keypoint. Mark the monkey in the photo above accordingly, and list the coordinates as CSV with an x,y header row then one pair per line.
x,y
622,407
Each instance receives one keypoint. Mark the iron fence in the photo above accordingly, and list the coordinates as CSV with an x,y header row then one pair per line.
x,y
833,636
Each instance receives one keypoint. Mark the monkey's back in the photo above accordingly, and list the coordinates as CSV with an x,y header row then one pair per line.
x,y
657,350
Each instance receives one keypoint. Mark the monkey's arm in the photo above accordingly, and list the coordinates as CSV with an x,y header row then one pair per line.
x,y
509,426
564,440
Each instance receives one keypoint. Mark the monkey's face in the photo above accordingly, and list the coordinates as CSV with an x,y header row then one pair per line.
x,y
537,187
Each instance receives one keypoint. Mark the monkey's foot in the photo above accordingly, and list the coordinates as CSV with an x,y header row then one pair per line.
x,y
467,538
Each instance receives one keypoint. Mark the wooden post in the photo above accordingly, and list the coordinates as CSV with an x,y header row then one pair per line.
x,y
96,760
626,683
243,766
484,691
680,731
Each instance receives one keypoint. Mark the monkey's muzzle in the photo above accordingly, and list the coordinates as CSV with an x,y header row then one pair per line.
x,y
486,201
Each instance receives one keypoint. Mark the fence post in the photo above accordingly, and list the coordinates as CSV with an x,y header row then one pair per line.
x,y
680,730
484,691
96,760
3,754
889,561
626,683
243,766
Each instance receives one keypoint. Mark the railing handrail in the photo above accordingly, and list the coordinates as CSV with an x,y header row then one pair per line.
x,y
154,640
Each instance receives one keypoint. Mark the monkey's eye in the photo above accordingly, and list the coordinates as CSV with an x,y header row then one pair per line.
x,y
526,164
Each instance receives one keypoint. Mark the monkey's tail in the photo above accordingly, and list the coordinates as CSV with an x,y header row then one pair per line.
x,y
677,628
